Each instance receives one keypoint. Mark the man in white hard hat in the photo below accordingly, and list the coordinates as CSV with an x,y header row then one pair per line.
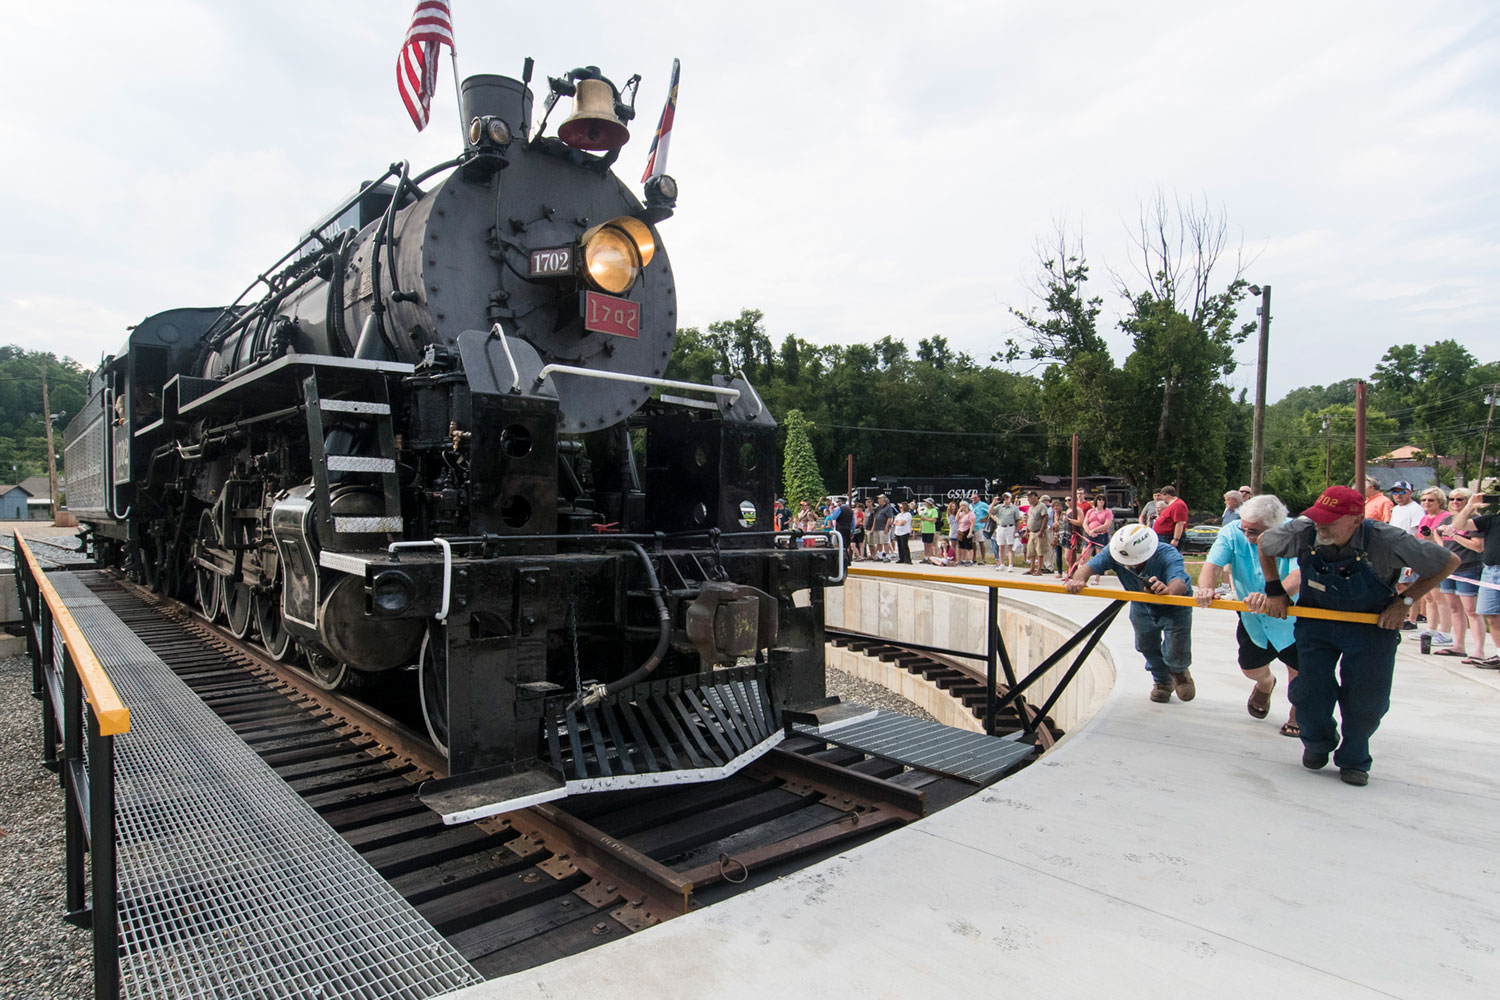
x,y
1163,632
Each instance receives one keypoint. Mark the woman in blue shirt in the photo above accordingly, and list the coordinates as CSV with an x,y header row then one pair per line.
x,y
1261,638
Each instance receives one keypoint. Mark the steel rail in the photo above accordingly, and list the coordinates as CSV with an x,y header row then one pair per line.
x,y
109,708
1034,586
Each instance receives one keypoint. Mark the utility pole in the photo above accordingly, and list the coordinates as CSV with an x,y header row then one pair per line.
x,y
1359,436
1328,457
1493,391
1075,469
1258,428
51,455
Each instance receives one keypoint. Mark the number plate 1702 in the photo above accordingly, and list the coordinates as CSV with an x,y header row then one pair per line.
x,y
551,262
607,314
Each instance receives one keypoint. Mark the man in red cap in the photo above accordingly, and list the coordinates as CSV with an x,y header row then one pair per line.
x,y
1349,563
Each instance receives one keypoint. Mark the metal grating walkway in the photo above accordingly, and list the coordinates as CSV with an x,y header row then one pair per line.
x,y
958,753
229,884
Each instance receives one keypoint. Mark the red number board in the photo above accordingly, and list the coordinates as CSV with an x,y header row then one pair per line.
x,y
607,314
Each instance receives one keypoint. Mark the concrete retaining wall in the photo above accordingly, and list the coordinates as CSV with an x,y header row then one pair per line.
x,y
954,617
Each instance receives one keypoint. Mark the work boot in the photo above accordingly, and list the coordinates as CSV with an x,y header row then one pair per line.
x,y
1354,776
1186,689
1161,692
1314,760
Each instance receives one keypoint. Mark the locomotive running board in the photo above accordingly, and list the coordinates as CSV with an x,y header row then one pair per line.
x,y
681,731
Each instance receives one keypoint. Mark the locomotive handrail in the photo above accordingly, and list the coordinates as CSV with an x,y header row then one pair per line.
x,y
515,373
759,406
834,537
447,548
662,383
107,441
109,709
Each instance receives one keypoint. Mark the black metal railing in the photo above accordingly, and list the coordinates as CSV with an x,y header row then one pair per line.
x,y
996,656
81,716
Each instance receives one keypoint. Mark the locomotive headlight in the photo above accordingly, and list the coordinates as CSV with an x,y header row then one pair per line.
x,y
611,261
490,131
614,253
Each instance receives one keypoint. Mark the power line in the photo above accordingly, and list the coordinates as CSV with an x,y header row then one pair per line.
x,y
911,430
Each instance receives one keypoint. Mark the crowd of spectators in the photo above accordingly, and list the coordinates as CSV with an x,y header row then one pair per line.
x,y
1043,535
1463,612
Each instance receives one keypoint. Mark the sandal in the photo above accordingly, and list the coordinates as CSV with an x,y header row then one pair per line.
x,y
1449,652
1259,705
1483,661
1290,728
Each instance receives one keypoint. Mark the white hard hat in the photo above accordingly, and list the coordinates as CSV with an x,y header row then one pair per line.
x,y
1133,544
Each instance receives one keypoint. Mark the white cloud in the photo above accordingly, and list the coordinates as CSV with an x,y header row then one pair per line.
x,y
850,169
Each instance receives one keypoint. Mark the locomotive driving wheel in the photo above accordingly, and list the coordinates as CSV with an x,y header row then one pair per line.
x,y
238,608
327,672
210,592
432,683
209,585
273,634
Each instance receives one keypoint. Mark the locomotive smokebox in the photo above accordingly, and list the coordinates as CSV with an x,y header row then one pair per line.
x,y
501,97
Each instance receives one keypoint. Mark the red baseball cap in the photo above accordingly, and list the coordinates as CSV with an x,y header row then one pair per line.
x,y
1336,502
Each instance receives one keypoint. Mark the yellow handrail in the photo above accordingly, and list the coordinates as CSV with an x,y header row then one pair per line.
x,y
1001,583
113,716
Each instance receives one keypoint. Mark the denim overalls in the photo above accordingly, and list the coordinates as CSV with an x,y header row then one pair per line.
x,y
1163,632
1362,688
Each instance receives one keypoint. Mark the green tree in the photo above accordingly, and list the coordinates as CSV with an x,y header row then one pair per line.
x,y
1436,393
799,467
1080,383
23,435
1174,404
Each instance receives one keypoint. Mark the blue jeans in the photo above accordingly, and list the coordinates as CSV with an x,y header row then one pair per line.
x,y
1362,689
1164,635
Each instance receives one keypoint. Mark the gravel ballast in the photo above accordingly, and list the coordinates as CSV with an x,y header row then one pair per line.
x,y
43,956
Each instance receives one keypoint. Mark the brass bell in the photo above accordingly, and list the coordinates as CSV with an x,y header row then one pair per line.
x,y
593,124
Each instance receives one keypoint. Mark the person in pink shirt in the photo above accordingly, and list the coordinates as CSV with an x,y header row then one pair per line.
x,y
964,539
1098,525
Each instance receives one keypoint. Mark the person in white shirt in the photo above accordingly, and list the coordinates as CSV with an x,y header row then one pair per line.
x,y
1406,514
901,532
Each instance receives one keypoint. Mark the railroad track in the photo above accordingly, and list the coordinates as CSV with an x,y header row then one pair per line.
x,y
963,680
541,883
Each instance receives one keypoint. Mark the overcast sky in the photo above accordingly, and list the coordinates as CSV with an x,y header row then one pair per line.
x,y
853,170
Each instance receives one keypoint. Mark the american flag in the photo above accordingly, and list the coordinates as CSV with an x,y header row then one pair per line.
x,y
656,160
416,66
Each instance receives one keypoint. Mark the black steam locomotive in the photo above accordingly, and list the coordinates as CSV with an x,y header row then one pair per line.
x,y
434,438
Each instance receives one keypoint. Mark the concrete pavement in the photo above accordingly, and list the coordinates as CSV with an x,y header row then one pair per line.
x,y
1159,851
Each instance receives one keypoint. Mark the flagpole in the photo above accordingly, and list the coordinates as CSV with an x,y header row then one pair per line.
x,y
458,90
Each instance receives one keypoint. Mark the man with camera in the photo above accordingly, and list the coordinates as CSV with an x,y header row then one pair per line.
x,y
1486,526
1349,563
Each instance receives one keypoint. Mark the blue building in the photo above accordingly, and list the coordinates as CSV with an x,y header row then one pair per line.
x,y
13,503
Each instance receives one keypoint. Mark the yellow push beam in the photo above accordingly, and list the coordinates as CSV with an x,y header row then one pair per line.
x,y
113,716
1001,583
